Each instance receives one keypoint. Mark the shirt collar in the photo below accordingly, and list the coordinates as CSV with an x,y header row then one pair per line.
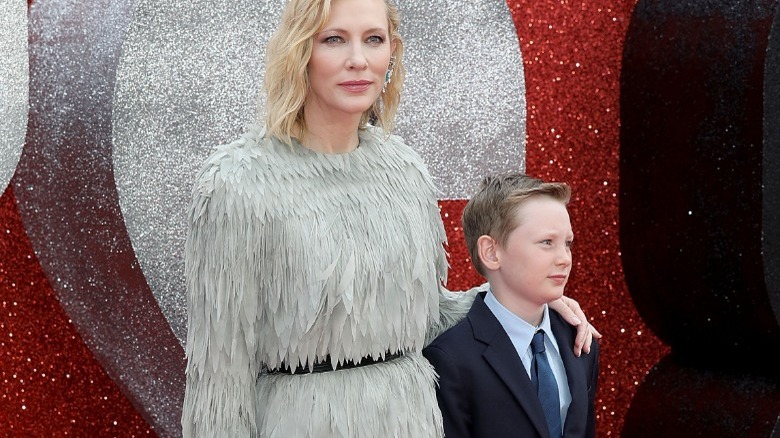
x,y
518,329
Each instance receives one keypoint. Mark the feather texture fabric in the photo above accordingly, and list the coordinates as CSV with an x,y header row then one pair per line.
x,y
294,256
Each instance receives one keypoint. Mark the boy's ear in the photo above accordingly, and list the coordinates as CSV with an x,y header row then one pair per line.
x,y
486,248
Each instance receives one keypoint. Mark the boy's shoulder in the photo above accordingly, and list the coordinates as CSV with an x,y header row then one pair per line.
x,y
453,336
453,349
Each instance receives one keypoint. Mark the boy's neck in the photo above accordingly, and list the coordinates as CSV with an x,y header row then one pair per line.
x,y
530,312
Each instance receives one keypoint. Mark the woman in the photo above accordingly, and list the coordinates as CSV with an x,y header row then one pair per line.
x,y
314,258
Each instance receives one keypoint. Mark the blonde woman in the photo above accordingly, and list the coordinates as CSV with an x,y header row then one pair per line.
x,y
314,258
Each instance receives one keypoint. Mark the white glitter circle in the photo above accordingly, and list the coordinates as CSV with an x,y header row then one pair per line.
x,y
189,79
463,107
14,79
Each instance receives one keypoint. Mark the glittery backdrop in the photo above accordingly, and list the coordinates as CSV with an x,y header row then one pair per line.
x,y
68,204
698,236
469,93
51,383
572,53
771,164
14,78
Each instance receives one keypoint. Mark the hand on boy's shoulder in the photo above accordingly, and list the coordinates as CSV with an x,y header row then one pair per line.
x,y
571,334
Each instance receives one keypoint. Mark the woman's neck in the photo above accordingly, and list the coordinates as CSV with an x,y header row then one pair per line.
x,y
328,136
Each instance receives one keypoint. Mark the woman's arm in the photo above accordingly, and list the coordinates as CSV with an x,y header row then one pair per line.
x,y
221,366
453,306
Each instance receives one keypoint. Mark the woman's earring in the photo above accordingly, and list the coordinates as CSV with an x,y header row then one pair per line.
x,y
389,73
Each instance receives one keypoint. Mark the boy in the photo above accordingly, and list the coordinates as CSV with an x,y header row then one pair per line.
x,y
506,370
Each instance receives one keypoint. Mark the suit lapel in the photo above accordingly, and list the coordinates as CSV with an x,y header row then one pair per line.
x,y
575,372
501,355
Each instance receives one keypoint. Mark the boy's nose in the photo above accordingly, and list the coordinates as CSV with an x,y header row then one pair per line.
x,y
564,257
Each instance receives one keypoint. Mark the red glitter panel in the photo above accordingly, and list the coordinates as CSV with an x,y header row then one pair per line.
x,y
462,274
572,52
51,384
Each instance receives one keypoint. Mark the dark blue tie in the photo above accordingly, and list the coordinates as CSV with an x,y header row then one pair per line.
x,y
546,386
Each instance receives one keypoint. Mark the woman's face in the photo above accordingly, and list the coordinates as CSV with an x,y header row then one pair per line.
x,y
349,60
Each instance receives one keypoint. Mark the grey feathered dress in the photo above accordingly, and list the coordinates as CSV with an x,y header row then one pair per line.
x,y
293,255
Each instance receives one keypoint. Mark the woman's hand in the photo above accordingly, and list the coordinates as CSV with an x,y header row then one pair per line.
x,y
571,311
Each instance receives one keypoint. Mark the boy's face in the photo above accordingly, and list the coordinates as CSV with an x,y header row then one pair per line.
x,y
536,260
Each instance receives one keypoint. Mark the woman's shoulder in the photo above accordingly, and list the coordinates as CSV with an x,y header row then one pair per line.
x,y
248,153
394,155
237,176
235,165
392,147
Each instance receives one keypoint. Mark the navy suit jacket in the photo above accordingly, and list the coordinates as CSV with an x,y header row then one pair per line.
x,y
484,390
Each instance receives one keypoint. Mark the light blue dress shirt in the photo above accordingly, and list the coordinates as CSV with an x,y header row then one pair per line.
x,y
520,333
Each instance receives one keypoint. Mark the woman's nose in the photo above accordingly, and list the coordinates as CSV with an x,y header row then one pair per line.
x,y
357,59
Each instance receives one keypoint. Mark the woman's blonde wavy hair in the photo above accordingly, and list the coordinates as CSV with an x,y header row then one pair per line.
x,y
287,78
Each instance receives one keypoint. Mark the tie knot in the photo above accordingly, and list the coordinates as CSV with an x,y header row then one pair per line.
x,y
537,343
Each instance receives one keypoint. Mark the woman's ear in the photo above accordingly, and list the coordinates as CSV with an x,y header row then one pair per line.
x,y
487,248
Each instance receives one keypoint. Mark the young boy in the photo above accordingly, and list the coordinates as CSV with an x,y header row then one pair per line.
x,y
506,370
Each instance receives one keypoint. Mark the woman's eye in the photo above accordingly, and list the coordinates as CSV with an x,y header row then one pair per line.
x,y
569,243
546,242
333,39
375,39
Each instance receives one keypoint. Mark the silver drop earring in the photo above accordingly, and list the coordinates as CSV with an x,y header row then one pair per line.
x,y
389,73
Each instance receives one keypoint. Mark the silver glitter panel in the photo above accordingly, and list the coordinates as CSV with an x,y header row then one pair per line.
x,y
464,103
14,77
68,202
190,74
189,79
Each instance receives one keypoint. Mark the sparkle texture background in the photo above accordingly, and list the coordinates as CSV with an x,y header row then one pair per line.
x,y
88,357
13,85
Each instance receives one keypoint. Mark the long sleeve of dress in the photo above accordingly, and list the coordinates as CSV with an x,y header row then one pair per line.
x,y
222,309
453,306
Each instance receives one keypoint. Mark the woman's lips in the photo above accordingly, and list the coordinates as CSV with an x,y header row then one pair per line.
x,y
355,86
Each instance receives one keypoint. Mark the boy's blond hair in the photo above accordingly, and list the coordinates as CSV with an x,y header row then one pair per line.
x,y
492,210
